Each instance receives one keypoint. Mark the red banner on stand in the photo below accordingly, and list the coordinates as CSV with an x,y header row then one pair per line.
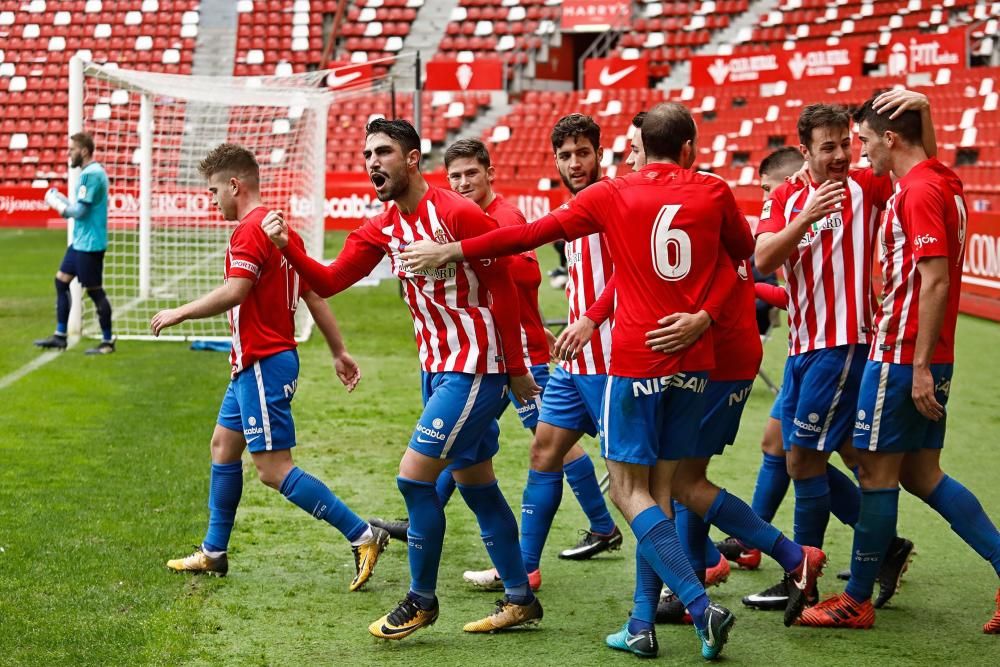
x,y
774,66
353,76
615,73
595,15
480,74
927,53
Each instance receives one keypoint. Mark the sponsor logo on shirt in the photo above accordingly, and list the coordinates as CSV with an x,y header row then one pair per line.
x,y
245,265
765,212
828,223
573,258
681,381
440,273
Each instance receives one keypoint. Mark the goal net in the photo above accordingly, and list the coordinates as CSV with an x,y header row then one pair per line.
x,y
166,239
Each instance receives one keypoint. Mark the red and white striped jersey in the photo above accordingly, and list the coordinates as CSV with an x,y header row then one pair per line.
x,y
926,217
264,324
589,265
455,328
828,276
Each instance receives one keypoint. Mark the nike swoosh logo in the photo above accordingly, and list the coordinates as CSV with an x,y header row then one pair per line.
x,y
249,440
634,640
427,442
800,434
334,81
607,78
801,582
796,210
396,631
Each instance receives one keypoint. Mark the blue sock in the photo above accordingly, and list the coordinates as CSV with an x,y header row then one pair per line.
x,y
539,502
445,486
660,546
772,483
582,479
62,307
963,512
692,532
646,596
873,532
425,535
812,510
224,491
316,498
499,532
735,518
845,496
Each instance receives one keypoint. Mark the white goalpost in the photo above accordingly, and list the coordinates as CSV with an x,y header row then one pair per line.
x,y
166,240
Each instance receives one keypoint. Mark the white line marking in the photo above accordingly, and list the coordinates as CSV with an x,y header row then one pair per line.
x,y
35,364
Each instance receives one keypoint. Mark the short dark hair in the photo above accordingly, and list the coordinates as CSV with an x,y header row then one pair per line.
x,y
398,130
783,158
231,159
84,140
907,125
467,148
637,119
665,130
575,125
821,115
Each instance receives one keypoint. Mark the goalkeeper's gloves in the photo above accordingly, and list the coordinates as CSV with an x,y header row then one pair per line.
x,y
56,201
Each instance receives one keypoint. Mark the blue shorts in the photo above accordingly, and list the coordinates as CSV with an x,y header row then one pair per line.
x,y
887,418
258,402
819,397
459,421
649,419
87,266
724,403
776,406
573,401
528,414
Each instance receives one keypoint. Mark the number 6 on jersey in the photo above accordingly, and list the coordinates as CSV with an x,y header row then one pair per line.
x,y
671,247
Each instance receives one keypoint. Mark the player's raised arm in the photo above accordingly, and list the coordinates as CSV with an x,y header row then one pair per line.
x,y
346,368
355,261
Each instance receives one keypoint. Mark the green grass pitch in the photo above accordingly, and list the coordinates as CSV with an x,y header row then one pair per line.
x,y
104,475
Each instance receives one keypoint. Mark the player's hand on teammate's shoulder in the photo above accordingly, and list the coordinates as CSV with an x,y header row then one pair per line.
x,y
274,226
348,371
801,176
899,100
426,255
165,319
573,338
524,387
678,331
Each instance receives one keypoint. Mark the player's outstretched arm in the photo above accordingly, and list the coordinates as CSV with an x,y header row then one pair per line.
x,y
895,102
215,302
773,248
773,295
346,368
355,261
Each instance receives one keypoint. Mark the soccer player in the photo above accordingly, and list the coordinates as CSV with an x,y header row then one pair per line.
x,y
261,293
465,318
471,174
665,225
823,234
84,258
729,311
572,402
901,412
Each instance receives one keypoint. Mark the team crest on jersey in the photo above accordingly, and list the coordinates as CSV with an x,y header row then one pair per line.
x,y
441,237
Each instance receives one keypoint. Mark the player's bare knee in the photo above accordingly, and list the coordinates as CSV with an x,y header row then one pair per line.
x,y
63,277
545,457
803,463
